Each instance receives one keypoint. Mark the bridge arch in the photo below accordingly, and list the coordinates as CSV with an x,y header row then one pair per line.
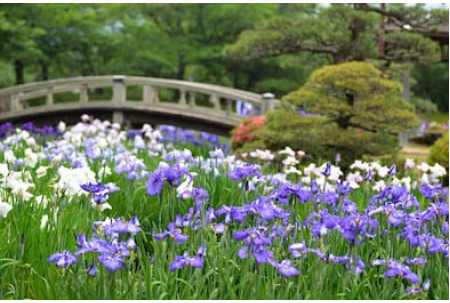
x,y
216,114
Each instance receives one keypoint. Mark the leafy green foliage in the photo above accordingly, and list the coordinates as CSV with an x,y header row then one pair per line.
x,y
355,94
320,138
405,47
329,30
424,107
432,83
358,108
439,152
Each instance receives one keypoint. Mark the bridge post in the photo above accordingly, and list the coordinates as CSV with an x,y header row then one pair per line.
x,y
182,99
215,102
15,102
267,102
150,94
119,90
229,109
403,138
49,97
84,97
191,99
119,98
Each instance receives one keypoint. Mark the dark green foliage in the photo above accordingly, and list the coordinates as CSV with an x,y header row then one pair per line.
x,y
320,138
359,110
184,41
355,94
439,153
432,83
424,107
404,46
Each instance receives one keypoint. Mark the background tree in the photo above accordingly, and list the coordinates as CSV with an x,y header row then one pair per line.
x,y
345,32
18,39
358,109
186,41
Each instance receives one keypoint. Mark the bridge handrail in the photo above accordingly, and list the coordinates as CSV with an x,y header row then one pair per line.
x,y
37,89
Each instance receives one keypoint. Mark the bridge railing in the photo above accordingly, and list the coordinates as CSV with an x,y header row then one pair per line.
x,y
219,100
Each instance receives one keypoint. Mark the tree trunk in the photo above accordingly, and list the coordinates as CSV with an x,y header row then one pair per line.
x,y
406,85
19,68
44,70
181,67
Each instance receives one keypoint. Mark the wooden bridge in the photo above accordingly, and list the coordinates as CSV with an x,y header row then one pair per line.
x,y
199,106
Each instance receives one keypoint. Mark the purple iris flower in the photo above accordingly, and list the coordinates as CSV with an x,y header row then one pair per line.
x,y
338,259
94,187
201,252
320,227
329,198
218,228
397,269
92,245
416,261
171,174
392,170
344,189
236,213
349,207
218,153
327,170
368,176
261,254
355,226
286,269
118,226
173,232
186,261
395,195
251,237
337,158
63,259
100,192
317,252
434,210
298,249
356,267
268,211
432,191
92,270
200,195
112,262
244,171
154,184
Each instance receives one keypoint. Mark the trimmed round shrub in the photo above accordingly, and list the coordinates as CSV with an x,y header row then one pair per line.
x,y
439,153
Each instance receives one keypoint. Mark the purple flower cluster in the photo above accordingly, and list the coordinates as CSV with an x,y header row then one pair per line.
x,y
100,192
186,261
46,130
172,232
396,269
172,134
6,129
244,171
131,165
106,242
63,259
165,173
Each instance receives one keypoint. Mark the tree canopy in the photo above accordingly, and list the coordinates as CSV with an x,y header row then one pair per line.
x,y
355,94
207,42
